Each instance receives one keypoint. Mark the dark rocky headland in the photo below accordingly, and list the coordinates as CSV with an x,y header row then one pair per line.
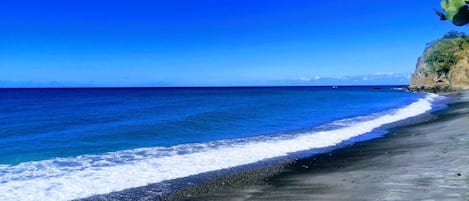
x,y
444,65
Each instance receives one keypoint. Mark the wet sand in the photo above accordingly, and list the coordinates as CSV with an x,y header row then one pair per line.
x,y
425,161
422,161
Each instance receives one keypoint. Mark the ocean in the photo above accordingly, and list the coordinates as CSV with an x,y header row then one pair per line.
x,y
63,144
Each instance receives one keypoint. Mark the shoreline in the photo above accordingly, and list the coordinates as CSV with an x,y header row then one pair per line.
x,y
422,161
240,181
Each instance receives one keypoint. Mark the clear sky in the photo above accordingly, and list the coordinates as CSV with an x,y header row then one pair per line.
x,y
213,42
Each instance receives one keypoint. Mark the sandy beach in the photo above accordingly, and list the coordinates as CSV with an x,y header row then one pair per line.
x,y
234,100
418,161
426,161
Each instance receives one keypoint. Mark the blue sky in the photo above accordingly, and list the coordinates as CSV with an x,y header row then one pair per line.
x,y
213,42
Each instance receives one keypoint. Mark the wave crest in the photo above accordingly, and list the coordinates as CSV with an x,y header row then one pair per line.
x,y
87,175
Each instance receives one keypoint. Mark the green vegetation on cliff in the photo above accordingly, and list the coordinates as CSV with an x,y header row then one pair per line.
x,y
444,65
445,53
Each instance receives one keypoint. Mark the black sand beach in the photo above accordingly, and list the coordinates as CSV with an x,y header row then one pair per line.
x,y
423,161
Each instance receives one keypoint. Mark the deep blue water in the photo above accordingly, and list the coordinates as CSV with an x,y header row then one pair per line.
x,y
39,124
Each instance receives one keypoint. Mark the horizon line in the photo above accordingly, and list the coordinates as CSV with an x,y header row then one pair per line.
x,y
221,86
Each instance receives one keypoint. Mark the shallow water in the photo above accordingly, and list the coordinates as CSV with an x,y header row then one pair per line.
x,y
62,144
427,161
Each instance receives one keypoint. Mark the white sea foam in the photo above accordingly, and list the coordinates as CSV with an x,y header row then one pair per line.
x,y
84,176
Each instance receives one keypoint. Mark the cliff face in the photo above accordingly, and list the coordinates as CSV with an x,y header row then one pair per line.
x,y
453,77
